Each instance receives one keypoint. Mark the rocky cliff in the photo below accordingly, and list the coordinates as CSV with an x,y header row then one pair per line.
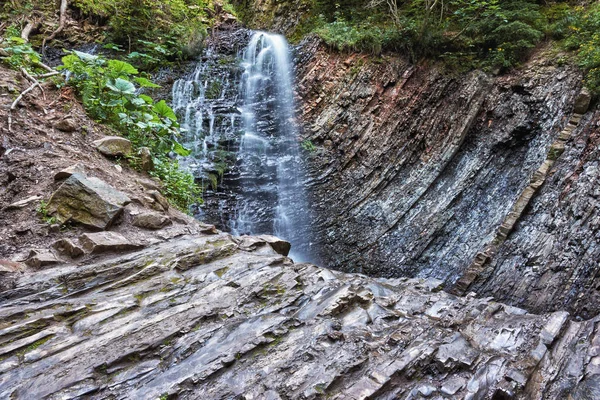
x,y
423,173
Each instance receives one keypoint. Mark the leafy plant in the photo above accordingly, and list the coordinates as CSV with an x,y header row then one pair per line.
x,y
21,54
308,145
110,95
44,214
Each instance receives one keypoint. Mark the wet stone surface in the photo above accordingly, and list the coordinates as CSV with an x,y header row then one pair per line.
x,y
210,317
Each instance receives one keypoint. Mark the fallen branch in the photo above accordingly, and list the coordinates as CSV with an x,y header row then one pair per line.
x,y
34,81
16,102
44,66
48,75
31,25
61,24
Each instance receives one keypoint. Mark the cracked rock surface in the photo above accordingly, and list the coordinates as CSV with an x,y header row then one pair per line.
x,y
209,317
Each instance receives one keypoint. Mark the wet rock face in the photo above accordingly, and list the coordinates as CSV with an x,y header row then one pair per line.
x,y
199,317
416,170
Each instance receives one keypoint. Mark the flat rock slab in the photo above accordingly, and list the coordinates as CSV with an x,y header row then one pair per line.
x,y
88,201
102,242
113,146
67,172
150,220
252,243
41,258
200,318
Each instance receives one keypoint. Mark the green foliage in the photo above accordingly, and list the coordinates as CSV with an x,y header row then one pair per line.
x,y
21,54
110,95
44,214
581,31
308,145
153,31
483,32
180,186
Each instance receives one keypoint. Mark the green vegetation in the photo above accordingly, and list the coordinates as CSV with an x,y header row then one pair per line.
x,y
579,30
109,92
149,32
44,214
110,95
492,35
308,145
170,29
486,33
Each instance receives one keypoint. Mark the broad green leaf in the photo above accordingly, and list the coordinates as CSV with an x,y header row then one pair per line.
x,y
138,102
121,86
146,98
143,82
85,56
180,150
122,67
163,110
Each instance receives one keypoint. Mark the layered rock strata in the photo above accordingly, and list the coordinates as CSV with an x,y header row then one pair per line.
x,y
199,317
424,167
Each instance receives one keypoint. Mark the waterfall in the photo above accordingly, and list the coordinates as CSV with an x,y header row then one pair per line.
x,y
262,191
273,200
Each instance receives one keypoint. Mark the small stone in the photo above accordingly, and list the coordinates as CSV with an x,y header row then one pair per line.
x,y
118,168
41,258
147,160
427,390
68,248
113,146
66,125
67,172
453,386
208,229
149,184
160,199
280,246
252,243
151,220
582,103
23,203
9,272
102,242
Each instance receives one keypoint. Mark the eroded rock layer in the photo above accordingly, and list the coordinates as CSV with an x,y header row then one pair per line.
x,y
216,317
418,169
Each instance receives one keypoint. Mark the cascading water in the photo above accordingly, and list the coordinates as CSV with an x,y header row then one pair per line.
x,y
262,191
273,198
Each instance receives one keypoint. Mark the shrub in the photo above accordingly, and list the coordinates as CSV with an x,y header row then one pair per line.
x,y
110,95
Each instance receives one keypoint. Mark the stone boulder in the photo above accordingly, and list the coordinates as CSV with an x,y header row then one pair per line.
x,y
582,103
251,243
68,248
103,242
88,201
67,172
151,220
147,160
113,146
66,125
41,258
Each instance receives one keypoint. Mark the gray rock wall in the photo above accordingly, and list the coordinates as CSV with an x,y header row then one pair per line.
x,y
417,169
